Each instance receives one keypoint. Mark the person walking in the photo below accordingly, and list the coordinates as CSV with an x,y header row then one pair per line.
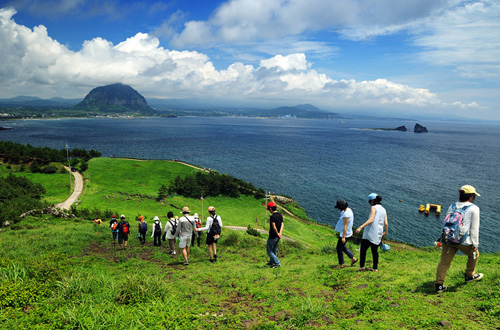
x,y
197,224
213,227
185,232
143,229
376,227
170,229
123,232
276,226
156,231
468,238
344,227
113,225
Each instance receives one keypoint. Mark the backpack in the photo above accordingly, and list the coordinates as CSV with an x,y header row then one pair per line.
x,y
125,228
174,227
452,231
144,227
114,226
157,228
215,228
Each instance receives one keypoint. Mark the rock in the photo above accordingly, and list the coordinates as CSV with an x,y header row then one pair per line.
x,y
401,128
444,323
5,224
420,129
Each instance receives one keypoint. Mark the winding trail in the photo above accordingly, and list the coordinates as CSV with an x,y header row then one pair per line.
x,y
77,191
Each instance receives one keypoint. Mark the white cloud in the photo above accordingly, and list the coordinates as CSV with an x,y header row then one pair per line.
x,y
33,63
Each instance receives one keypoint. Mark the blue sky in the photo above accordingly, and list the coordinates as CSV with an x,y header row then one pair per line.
x,y
415,58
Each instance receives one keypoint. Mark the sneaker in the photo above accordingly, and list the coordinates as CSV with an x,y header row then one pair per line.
x,y
186,262
275,266
212,260
475,277
215,256
440,288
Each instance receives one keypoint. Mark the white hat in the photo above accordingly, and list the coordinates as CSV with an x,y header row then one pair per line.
x,y
156,218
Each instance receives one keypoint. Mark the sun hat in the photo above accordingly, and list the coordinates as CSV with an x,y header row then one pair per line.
x,y
270,204
156,218
469,190
185,209
372,196
341,204
122,216
196,215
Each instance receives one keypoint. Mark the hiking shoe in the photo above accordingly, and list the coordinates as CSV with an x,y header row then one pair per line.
x,y
275,266
212,260
440,288
475,277
186,262
215,256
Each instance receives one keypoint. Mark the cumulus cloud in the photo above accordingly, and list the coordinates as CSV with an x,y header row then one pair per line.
x,y
238,21
32,62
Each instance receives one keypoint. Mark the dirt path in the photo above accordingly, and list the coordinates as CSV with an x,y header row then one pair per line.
x,y
77,191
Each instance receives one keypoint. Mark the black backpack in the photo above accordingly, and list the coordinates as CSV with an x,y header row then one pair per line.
x,y
174,227
215,228
157,228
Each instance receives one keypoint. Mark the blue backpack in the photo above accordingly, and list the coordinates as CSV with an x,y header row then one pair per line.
x,y
144,227
452,223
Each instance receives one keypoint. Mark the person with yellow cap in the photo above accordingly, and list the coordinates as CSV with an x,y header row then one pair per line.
x,y
468,237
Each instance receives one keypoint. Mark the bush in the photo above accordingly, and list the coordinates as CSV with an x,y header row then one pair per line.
x,y
253,231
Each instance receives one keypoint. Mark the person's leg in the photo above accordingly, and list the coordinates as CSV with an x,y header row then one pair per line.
x,y
447,254
214,246
211,251
171,244
470,268
340,248
374,249
270,248
346,250
362,252
125,239
185,254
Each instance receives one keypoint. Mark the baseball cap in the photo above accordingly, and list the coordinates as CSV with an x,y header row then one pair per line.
x,y
270,204
469,190
372,196
122,216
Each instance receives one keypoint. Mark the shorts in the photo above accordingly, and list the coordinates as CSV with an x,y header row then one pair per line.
x,y
211,239
184,241
122,237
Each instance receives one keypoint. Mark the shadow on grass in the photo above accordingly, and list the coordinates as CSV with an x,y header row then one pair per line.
x,y
429,287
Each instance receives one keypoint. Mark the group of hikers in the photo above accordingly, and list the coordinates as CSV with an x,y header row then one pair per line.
x,y
460,232
187,229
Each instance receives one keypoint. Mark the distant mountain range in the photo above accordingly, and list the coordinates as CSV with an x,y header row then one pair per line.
x,y
119,98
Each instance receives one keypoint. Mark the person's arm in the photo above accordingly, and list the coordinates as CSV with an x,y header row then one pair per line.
x,y
346,223
386,226
207,225
474,229
368,222
153,229
280,234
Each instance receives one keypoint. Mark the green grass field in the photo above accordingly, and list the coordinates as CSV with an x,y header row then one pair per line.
x,y
68,274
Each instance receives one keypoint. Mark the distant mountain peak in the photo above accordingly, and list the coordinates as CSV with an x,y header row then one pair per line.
x,y
116,97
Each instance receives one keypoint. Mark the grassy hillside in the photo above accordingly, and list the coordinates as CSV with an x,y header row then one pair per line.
x,y
67,274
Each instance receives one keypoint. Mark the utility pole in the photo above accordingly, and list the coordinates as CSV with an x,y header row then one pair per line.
x,y
202,208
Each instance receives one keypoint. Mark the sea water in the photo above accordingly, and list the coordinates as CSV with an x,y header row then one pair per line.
x,y
314,161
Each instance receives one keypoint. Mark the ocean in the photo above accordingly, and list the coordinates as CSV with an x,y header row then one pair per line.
x,y
314,161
